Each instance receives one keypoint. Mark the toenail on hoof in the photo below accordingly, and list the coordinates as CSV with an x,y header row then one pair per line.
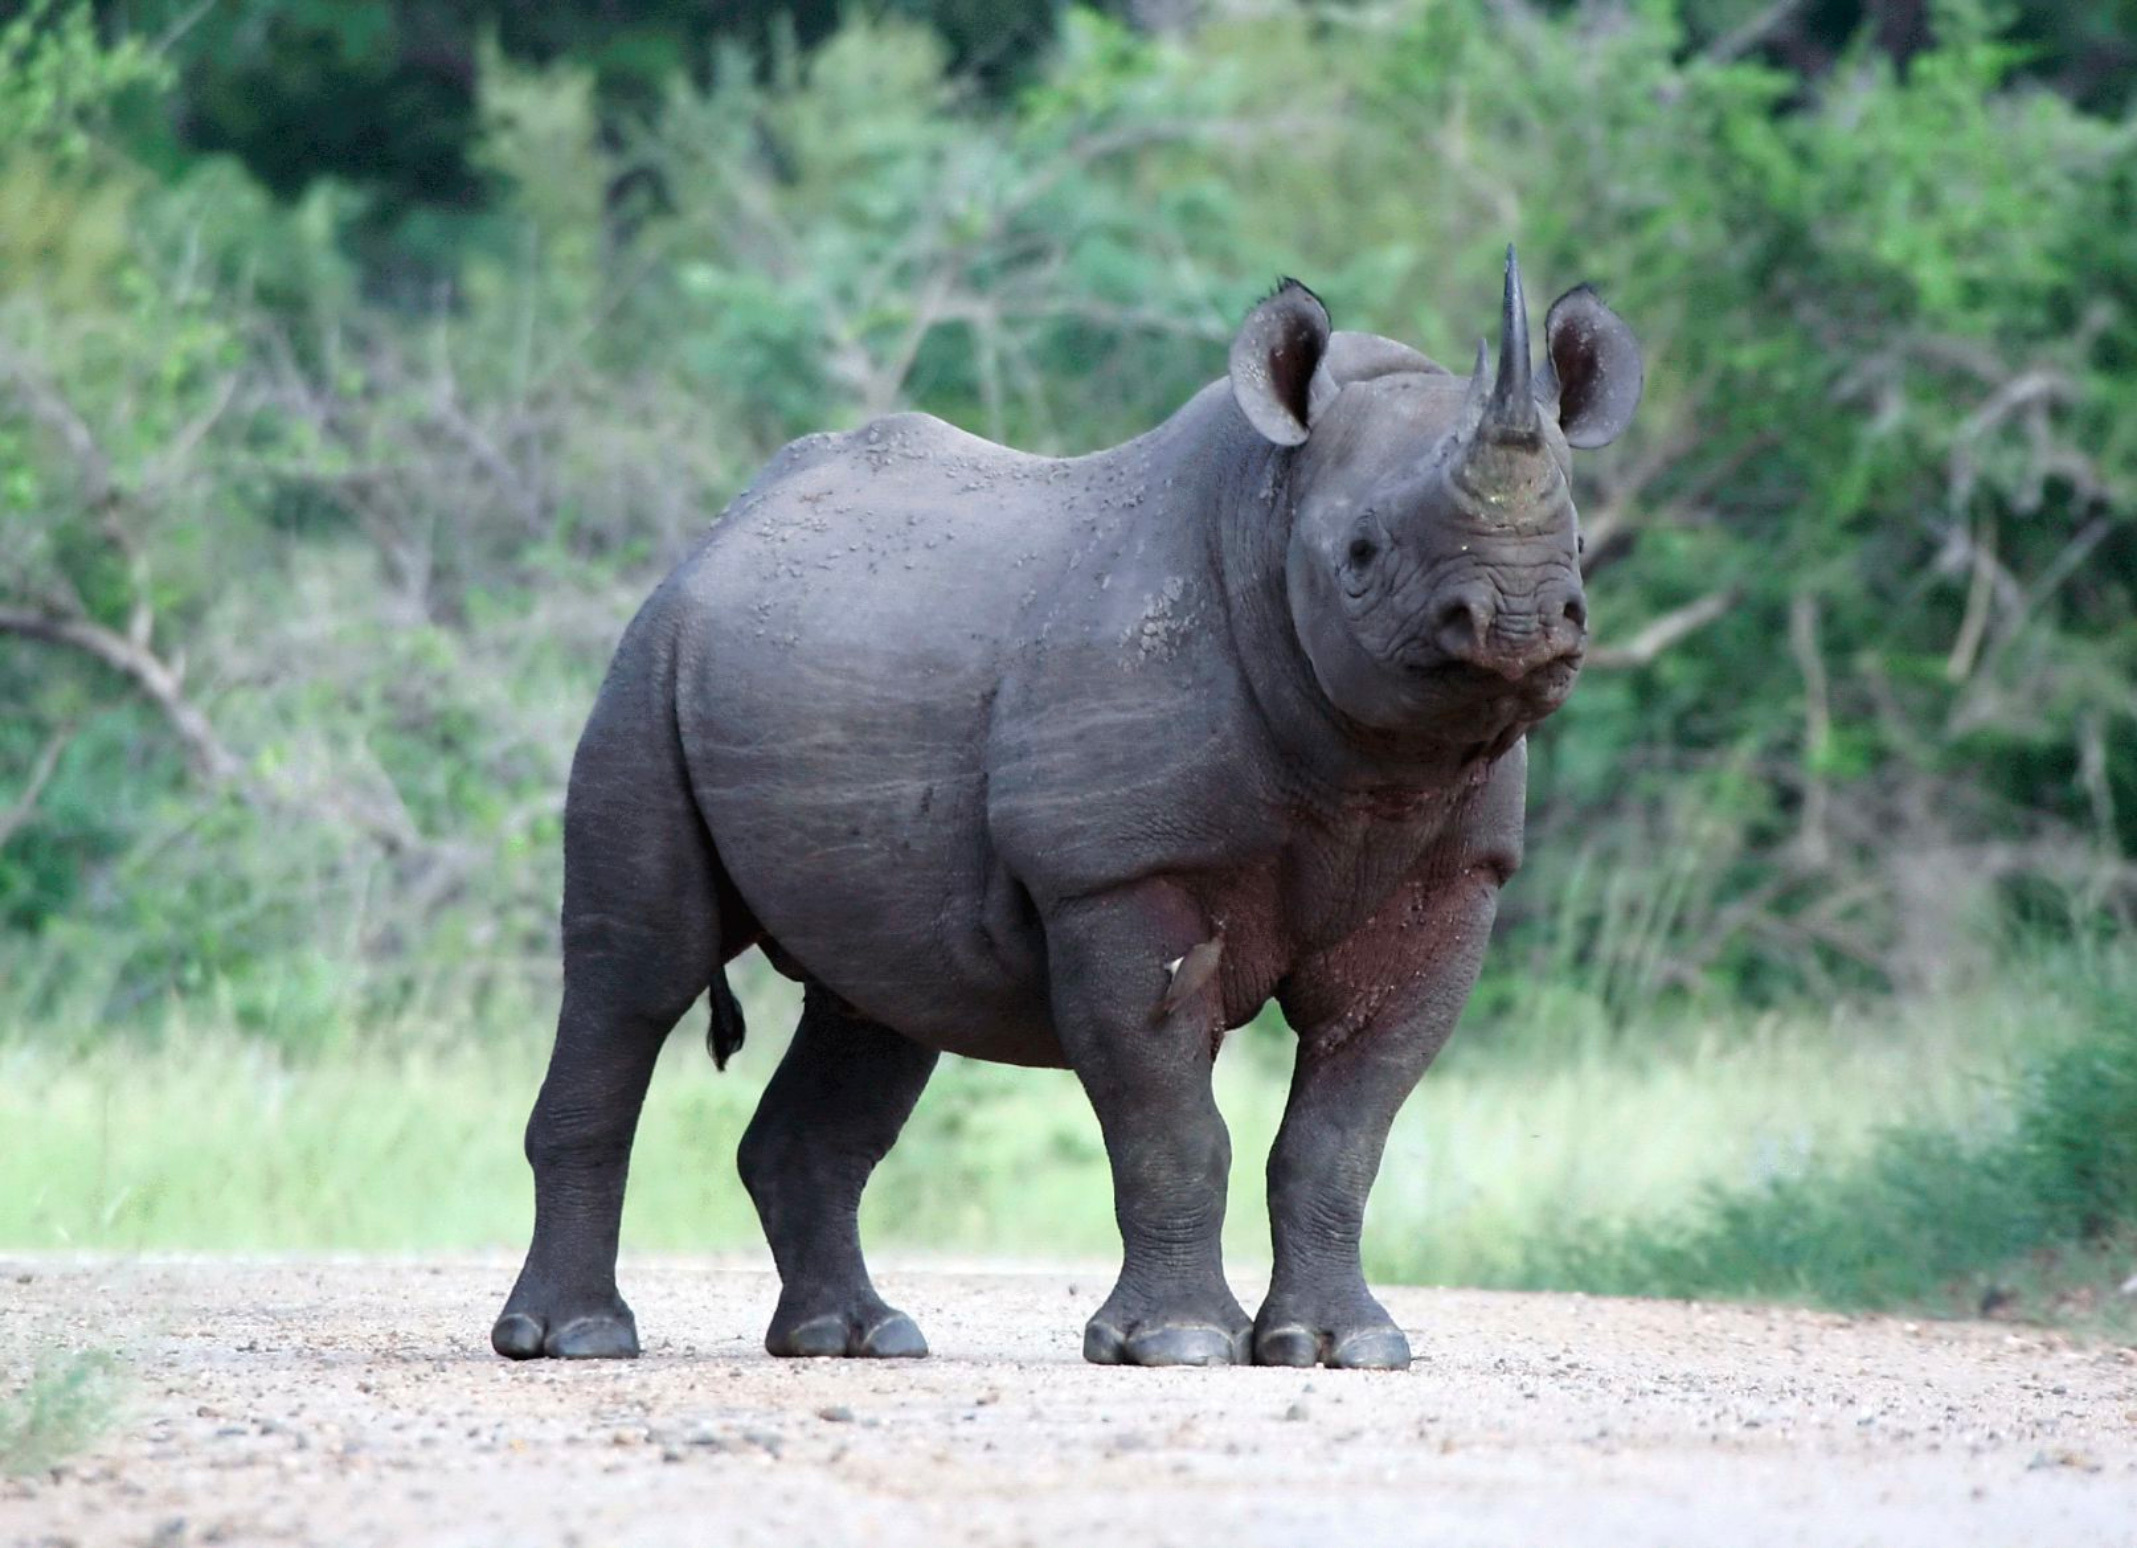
x,y
593,1338
820,1338
896,1337
1288,1345
1375,1349
517,1336
1104,1344
1181,1346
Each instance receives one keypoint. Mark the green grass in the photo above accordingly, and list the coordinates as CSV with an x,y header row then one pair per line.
x,y
1717,1155
61,1404
2031,1203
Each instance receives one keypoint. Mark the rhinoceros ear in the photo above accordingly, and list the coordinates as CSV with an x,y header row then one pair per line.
x,y
1277,371
1592,372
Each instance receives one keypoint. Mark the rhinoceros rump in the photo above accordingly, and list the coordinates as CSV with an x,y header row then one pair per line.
x,y
1077,762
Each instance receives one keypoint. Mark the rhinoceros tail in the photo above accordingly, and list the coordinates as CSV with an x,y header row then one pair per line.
x,y
724,1033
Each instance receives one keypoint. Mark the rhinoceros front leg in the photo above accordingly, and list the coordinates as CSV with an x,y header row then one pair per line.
x,y
831,1113
1370,1015
1146,1067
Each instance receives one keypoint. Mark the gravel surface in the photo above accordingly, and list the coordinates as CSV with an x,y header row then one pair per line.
x,y
355,1401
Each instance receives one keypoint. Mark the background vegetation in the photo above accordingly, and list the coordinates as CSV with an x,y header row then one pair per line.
x,y
362,365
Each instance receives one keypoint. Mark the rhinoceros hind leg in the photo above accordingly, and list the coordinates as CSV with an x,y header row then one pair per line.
x,y
649,917
831,1112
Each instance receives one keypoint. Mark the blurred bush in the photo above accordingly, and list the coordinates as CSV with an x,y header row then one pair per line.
x,y
308,575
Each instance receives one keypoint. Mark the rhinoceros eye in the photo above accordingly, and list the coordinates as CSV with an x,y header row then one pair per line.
x,y
1367,539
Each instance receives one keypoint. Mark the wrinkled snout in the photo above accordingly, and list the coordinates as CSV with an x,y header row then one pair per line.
x,y
1475,622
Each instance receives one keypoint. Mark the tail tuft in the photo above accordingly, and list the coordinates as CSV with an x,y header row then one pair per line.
x,y
724,1035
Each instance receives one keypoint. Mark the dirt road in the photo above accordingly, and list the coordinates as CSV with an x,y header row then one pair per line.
x,y
356,1402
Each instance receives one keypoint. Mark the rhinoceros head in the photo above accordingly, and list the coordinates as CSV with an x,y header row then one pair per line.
x,y
1434,561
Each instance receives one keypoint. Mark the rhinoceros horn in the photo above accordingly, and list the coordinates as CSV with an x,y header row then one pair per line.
x,y
1511,414
1501,426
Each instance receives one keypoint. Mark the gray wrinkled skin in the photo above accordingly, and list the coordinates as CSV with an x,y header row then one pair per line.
x,y
1079,763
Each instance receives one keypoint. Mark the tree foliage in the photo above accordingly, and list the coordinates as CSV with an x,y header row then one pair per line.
x,y
385,94
304,587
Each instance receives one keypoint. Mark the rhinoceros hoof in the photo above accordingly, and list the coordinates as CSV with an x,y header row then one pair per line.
x,y
1380,1347
521,1335
888,1335
1164,1343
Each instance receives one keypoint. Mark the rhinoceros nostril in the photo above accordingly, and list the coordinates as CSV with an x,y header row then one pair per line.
x,y
1459,626
1576,612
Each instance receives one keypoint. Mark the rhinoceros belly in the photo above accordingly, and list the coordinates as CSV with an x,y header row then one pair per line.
x,y
839,647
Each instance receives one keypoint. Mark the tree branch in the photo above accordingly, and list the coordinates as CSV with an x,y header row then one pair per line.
x,y
1663,632
151,676
387,823
62,620
51,409
1611,530
1739,41
1812,837
17,816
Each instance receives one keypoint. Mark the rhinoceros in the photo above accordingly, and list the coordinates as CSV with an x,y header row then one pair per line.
x,y
1079,762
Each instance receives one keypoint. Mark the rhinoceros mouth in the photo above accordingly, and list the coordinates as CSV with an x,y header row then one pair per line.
x,y
1551,682
1480,701
1453,678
